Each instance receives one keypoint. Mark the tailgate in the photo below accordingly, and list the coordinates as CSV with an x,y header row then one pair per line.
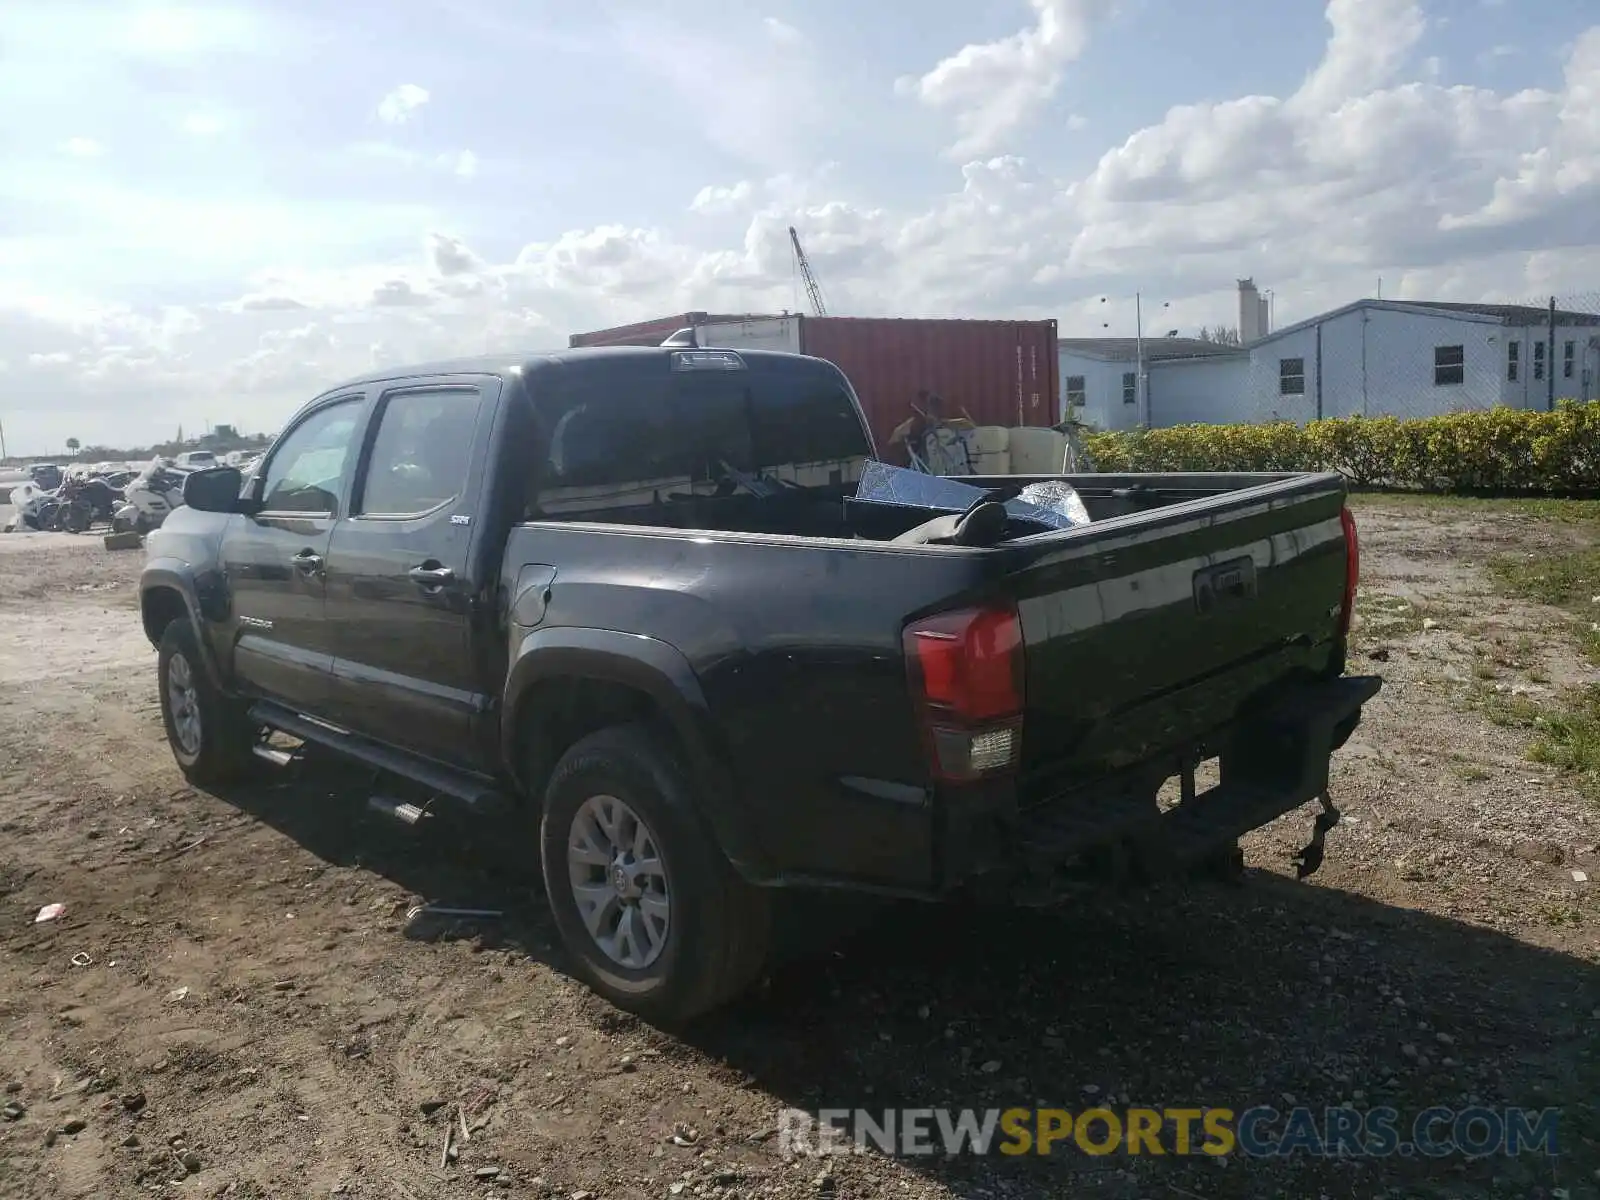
x,y
1144,632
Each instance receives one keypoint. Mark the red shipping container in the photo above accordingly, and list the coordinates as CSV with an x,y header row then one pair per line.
x,y
996,372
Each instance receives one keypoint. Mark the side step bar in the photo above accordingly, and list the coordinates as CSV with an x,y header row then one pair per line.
x,y
474,792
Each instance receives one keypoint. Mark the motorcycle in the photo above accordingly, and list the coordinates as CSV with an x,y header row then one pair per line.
x,y
82,501
149,498
35,506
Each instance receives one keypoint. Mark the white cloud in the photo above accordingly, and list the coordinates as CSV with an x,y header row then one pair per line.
x,y
714,199
465,164
782,31
1077,121
82,147
993,87
400,105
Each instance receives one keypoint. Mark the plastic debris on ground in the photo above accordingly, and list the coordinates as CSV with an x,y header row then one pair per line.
x,y
1050,505
49,913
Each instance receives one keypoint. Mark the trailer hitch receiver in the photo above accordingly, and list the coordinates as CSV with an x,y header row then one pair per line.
x,y
1309,857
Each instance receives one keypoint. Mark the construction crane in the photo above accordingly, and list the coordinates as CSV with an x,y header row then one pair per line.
x,y
813,288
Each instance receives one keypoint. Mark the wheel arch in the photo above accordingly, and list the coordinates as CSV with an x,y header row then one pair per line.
x,y
567,682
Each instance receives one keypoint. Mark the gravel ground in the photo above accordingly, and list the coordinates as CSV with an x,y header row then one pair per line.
x,y
231,1004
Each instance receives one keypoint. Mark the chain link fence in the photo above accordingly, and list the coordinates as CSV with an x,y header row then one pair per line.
x,y
1395,358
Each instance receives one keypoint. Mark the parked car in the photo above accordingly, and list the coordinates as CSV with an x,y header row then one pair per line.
x,y
633,592
195,460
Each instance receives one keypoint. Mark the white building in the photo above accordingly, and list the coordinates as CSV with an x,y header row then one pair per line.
x,y
1184,380
1403,358
1413,358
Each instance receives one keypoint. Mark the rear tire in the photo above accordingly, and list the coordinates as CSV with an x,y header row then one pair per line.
x,y
210,734
655,917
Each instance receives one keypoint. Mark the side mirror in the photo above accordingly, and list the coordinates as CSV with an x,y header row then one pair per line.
x,y
216,490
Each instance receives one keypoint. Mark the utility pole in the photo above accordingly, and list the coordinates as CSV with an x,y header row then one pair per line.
x,y
1550,359
3,454
1138,349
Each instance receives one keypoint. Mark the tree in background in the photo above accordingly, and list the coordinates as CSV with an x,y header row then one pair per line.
x,y
1222,335
73,445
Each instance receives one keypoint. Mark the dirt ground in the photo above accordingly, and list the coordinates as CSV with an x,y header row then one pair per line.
x,y
231,1004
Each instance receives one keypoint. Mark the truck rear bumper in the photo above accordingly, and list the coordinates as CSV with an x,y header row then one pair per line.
x,y
1273,759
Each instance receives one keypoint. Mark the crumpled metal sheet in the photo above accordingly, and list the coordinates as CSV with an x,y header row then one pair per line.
x,y
1052,505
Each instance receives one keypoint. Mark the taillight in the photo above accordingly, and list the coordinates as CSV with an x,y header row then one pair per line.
x,y
966,673
1352,569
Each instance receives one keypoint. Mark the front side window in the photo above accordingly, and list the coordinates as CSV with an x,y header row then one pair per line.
x,y
1538,360
422,452
307,466
1513,360
1130,387
1568,358
1077,392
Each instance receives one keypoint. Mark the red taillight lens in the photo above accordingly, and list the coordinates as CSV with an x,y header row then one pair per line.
x,y
1352,569
966,673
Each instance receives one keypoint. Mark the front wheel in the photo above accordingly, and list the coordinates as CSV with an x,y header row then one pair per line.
x,y
210,734
656,918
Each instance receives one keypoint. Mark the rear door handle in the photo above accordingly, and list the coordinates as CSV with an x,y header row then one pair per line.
x,y
307,562
432,578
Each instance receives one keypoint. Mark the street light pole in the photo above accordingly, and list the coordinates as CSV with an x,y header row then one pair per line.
x,y
1140,390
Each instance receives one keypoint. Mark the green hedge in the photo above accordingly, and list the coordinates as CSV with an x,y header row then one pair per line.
x,y
1493,450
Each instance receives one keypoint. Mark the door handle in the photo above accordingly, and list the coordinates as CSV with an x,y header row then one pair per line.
x,y
431,578
307,562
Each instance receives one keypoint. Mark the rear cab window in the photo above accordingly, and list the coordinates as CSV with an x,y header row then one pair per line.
x,y
633,441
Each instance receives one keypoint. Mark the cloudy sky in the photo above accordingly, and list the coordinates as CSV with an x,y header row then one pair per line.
x,y
209,212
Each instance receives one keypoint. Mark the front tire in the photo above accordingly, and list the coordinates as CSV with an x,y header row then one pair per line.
x,y
210,734
658,921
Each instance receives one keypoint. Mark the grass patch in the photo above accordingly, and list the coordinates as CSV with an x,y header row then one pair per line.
x,y
1561,580
1568,581
1566,731
1380,615
1567,512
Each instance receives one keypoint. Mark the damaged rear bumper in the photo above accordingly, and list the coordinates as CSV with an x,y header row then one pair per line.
x,y
1273,759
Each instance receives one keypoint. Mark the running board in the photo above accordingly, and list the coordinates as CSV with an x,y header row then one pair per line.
x,y
476,793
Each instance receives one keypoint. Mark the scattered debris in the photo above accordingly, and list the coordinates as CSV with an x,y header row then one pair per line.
x,y
178,994
1580,877
429,1107
15,1110
487,1173
80,959
49,912
75,1126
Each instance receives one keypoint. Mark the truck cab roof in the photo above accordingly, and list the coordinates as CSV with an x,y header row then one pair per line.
x,y
523,365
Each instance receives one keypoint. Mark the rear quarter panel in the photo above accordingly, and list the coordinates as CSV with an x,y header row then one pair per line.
x,y
796,644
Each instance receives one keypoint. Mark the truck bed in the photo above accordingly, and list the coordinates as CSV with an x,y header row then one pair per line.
x,y
1145,633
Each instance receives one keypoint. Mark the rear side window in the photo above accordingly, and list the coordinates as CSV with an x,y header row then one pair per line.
x,y
421,453
629,434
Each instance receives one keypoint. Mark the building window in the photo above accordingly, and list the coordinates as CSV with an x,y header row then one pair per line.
x,y
1513,359
1568,353
1538,360
1130,387
1449,365
1077,394
1291,377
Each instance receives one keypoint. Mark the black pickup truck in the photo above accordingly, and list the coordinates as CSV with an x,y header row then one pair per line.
x,y
632,592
